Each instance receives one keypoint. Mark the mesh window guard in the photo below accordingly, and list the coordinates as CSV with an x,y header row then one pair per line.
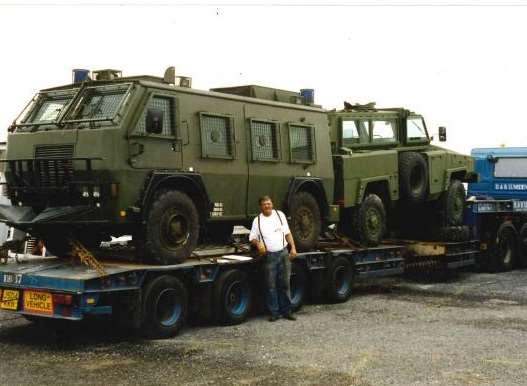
x,y
216,136
301,140
264,137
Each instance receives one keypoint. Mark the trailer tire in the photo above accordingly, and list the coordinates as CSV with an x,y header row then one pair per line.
x,y
453,204
165,307
522,246
413,177
504,251
339,280
298,285
369,221
172,228
306,221
232,297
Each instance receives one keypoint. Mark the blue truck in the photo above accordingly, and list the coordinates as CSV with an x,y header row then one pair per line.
x,y
497,209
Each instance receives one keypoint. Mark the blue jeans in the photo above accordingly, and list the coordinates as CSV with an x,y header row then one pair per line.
x,y
277,272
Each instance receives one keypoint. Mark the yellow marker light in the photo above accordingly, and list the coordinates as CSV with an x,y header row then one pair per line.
x,y
90,301
122,213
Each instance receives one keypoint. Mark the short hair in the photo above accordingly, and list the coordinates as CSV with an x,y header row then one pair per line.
x,y
264,198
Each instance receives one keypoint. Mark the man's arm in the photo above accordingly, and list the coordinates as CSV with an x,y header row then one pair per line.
x,y
254,238
291,242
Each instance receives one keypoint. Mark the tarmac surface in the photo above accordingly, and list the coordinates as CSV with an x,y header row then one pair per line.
x,y
470,329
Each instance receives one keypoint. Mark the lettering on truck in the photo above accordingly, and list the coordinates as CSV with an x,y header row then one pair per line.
x,y
510,186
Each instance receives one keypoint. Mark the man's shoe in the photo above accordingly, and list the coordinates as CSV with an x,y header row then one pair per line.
x,y
273,318
290,316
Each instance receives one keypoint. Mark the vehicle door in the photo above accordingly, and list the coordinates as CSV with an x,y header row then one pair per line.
x,y
155,142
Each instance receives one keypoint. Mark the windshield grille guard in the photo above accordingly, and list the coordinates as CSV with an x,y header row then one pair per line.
x,y
74,103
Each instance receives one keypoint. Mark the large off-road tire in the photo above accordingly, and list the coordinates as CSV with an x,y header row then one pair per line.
x,y
413,178
503,253
172,228
232,297
369,221
306,223
453,204
339,280
164,307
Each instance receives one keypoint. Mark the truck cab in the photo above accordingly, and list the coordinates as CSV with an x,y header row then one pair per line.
x,y
502,173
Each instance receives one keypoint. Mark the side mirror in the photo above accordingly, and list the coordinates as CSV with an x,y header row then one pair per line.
x,y
442,134
154,121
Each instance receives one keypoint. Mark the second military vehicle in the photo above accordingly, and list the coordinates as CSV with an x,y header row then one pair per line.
x,y
385,167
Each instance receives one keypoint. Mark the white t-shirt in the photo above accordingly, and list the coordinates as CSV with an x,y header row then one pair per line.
x,y
273,232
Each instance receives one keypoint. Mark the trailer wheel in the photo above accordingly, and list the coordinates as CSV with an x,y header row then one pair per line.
x,y
369,221
339,280
504,253
232,297
172,228
453,204
298,282
306,223
165,307
522,246
413,177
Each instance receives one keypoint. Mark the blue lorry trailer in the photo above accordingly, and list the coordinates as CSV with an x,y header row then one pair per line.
x,y
221,285
225,284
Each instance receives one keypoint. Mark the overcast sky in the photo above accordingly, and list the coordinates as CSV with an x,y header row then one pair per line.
x,y
461,67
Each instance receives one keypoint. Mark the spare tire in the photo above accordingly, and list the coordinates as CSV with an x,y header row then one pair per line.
x,y
413,177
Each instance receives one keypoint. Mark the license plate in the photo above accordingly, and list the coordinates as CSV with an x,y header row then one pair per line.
x,y
9,299
38,302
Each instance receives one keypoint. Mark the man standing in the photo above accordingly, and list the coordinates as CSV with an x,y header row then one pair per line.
x,y
270,234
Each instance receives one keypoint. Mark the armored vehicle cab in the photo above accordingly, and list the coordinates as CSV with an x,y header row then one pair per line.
x,y
169,164
385,165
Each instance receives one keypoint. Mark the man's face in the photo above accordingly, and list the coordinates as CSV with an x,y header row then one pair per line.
x,y
266,207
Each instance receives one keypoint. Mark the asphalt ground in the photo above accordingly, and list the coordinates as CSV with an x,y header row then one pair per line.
x,y
469,329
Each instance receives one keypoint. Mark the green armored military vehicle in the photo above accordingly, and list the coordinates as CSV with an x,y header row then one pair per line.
x,y
152,157
385,167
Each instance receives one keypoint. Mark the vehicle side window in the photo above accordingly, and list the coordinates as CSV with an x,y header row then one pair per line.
x,y
216,136
157,117
383,131
350,133
265,141
355,132
302,143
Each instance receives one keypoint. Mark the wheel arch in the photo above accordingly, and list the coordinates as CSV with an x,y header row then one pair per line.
x,y
313,186
188,183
